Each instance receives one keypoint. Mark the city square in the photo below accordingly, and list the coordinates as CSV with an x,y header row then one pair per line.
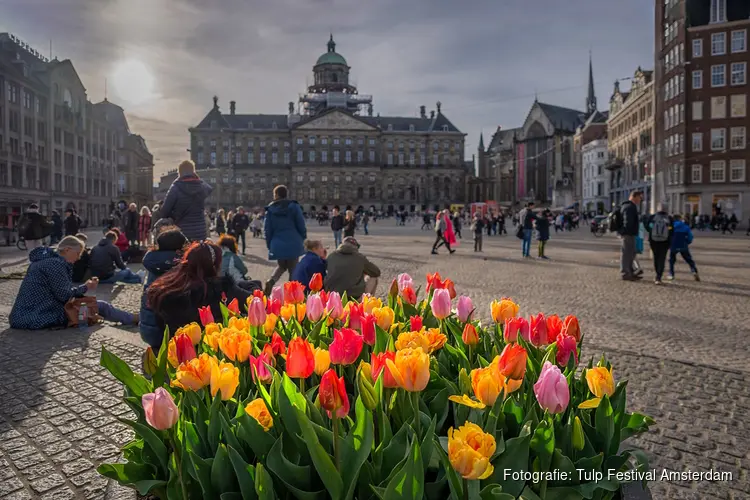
x,y
681,346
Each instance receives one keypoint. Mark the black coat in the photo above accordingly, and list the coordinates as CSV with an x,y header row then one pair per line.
x,y
71,225
350,227
36,226
185,205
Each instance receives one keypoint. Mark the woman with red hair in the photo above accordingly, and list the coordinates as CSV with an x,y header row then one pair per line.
x,y
195,282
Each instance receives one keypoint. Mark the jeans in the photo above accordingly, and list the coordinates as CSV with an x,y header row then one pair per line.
x,y
526,245
336,237
122,276
659,252
685,252
241,236
281,266
627,255
111,313
478,242
365,228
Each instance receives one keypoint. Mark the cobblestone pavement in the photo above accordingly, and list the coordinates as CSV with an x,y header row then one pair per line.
x,y
682,346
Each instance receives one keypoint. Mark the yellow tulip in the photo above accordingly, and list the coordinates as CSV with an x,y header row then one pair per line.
x,y
503,309
369,303
259,411
429,341
487,387
193,330
287,311
470,450
194,374
384,317
238,323
322,360
213,329
467,401
172,353
212,339
270,324
236,344
411,369
225,377
600,381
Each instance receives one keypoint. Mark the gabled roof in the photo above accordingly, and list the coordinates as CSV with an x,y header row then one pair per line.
x,y
503,138
598,117
112,114
563,118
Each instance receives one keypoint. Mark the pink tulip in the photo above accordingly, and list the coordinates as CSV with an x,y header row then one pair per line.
x,y
259,367
404,280
441,303
334,306
514,326
538,330
551,389
346,346
161,412
368,328
314,308
256,312
566,345
464,309
278,293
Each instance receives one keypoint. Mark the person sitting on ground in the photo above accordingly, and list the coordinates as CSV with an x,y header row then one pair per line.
x,y
195,282
121,243
106,263
314,261
47,287
232,265
81,269
165,254
350,272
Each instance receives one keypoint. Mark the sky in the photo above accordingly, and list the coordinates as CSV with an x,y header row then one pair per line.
x,y
163,60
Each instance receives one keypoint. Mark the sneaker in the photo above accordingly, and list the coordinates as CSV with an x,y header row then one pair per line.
x,y
452,252
544,257
638,272
657,282
670,277
142,274
696,277
268,288
434,252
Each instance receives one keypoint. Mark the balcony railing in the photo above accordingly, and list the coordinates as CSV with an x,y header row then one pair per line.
x,y
614,162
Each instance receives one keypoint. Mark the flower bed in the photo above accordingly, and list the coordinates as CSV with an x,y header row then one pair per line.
x,y
322,397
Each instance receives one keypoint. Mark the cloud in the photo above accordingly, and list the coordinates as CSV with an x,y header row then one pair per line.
x,y
483,59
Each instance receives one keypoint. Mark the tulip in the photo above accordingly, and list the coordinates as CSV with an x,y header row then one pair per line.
x,y
466,400
172,353
256,313
404,281
273,306
225,377
300,360
470,335
502,309
322,361
332,394
234,307
346,346
268,351
411,369
566,345
205,315
464,308
316,282
161,412
259,368
434,282
384,316
193,330
260,295
259,411
416,323
354,313
149,362
578,439
600,381
236,345
486,385
184,348
333,306
554,328
368,329
314,308
448,284
287,311
323,296
538,330
238,323
510,385
512,362
365,386
212,328
514,326
379,366
277,344
369,303
470,450
571,327
270,324
441,303
294,292
429,341
393,290
409,295
194,374
551,389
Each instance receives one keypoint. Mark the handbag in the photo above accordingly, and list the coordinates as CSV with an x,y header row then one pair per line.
x,y
519,232
73,307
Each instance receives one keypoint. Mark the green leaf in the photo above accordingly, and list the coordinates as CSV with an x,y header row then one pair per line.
x,y
144,487
427,444
214,424
356,448
528,494
454,480
495,492
604,424
136,384
298,479
543,443
408,483
516,458
161,377
321,460
439,406
231,496
290,400
229,437
263,484
563,493
152,440
128,473
381,340
203,474
396,450
254,436
245,474
222,472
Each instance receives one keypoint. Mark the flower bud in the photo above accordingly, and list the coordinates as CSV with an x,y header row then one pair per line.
x,y
578,440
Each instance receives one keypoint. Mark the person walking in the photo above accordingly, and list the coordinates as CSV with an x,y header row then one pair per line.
x,y
659,239
144,226
457,224
526,226
441,233
337,224
71,223
365,222
542,228
682,237
350,224
34,227
57,228
476,228
628,232
241,223
221,223
130,224
285,232
185,202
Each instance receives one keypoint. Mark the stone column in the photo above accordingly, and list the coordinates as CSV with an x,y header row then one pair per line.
x,y
22,136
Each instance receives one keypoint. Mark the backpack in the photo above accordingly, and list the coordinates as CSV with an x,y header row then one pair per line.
x,y
659,229
23,226
615,222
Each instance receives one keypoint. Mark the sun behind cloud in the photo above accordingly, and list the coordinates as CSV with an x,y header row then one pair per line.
x,y
133,82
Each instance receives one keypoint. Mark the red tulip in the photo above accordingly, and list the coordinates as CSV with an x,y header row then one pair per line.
x,y
566,345
277,344
346,346
554,328
206,315
268,353
294,292
316,282
514,326
416,323
409,295
434,281
470,335
379,364
368,328
300,361
323,297
224,297
512,362
184,348
355,315
538,334
332,394
273,306
571,327
234,307
259,367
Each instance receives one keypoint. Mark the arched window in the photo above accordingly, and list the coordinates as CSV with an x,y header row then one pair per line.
x,y
335,78
371,192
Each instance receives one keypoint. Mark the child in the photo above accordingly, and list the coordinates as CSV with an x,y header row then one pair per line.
x,y
232,265
682,237
477,226
314,261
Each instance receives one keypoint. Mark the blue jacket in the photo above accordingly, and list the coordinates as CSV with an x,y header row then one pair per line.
x,y
185,205
310,264
542,227
682,236
285,230
48,285
156,262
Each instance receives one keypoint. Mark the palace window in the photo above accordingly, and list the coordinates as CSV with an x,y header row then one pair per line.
x,y
312,156
286,158
739,41
738,105
697,141
698,47
372,155
299,141
737,137
348,156
372,142
696,173
324,156
739,73
348,141
274,158
697,79
718,139
312,140
299,156
390,158
324,141
262,158
718,170
737,170
718,75
336,156
360,156
718,44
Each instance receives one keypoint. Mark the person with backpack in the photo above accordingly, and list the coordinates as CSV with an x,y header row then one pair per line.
x,y
659,228
34,227
525,228
682,237
625,222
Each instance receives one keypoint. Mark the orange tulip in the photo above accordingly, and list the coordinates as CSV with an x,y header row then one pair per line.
x,y
379,365
195,374
234,307
429,341
486,384
409,295
172,353
225,377
503,309
236,345
512,362
435,340
294,292
259,411
239,323
277,344
300,360
554,328
316,282
287,311
450,287
434,282
470,335
572,328
411,369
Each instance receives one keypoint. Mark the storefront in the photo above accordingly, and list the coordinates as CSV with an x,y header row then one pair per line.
x,y
727,204
692,204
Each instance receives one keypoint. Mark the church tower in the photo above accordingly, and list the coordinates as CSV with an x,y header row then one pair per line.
x,y
591,97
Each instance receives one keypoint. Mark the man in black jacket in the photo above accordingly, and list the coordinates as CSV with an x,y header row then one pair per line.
x,y
337,224
71,223
106,263
241,223
630,223
34,227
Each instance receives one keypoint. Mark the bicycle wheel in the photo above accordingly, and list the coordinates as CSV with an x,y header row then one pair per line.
x,y
21,244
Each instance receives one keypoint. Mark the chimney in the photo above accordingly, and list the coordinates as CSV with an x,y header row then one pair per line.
x,y
432,114
291,108
231,107
422,112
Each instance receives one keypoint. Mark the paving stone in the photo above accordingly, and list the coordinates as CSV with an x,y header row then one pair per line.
x,y
46,483
18,495
63,493
57,447
66,456
10,486
76,467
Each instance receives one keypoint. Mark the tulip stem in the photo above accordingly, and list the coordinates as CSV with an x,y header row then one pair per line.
x,y
417,420
178,463
469,356
336,441
466,489
302,385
